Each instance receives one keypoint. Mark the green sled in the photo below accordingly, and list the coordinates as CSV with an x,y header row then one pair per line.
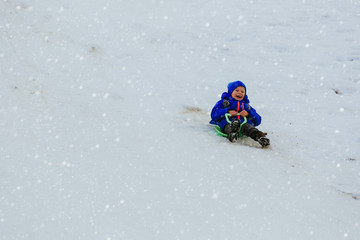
x,y
220,133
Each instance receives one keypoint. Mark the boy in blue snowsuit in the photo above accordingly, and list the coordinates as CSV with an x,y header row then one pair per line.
x,y
236,103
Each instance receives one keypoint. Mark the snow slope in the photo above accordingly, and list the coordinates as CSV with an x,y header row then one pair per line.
x,y
104,110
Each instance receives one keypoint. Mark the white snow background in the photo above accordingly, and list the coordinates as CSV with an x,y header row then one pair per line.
x,y
104,111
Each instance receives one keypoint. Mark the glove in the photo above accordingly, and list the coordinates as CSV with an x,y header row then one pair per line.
x,y
226,103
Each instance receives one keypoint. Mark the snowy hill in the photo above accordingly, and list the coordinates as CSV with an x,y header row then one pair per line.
x,y
104,109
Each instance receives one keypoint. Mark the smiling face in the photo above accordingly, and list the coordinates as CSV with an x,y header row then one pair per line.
x,y
238,93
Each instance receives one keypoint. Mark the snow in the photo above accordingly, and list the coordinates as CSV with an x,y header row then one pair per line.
x,y
105,108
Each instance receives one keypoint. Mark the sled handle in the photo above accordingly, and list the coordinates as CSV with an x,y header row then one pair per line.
x,y
227,115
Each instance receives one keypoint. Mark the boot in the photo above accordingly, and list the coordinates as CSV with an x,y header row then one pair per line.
x,y
233,137
249,130
264,141
235,125
232,130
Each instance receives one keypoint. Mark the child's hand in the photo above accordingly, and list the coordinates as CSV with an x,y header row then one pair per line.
x,y
233,113
244,113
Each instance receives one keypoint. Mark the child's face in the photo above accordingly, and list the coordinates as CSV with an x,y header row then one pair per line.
x,y
238,93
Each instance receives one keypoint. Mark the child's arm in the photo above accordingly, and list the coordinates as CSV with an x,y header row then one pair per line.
x,y
253,115
218,112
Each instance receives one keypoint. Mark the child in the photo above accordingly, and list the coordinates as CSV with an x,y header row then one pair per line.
x,y
235,102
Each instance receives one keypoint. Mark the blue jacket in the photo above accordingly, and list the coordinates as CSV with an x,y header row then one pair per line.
x,y
228,103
